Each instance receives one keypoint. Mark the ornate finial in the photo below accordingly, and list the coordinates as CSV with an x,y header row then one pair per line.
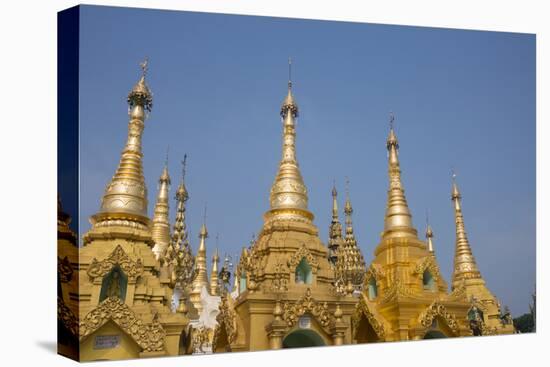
x,y
455,195
392,139
144,66
167,153
289,73
347,207
140,95
204,215
429,234
289,105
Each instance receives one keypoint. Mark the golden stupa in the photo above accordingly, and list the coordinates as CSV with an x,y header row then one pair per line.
x,y
134,289
293,291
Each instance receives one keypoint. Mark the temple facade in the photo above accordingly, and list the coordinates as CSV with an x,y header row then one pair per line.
x,y
136,289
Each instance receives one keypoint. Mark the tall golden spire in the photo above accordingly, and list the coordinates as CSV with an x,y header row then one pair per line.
x,y
179,235
124,202
335,230
201,276
288,198
214,286
161,223
397,222
465,266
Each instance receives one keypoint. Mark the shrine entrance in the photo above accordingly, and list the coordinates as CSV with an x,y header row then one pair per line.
x,y
303,338
434,334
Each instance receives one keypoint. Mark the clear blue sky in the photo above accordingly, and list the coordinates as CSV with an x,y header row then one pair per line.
x,y
463,99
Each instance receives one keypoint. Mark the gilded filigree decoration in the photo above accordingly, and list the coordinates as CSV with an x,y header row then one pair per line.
x,y
458,293
67,317
306,304
64,269
132,269
227,318
251,263
436,309
280,281
427,263
149,337
374,271
362,309
303,252
396,290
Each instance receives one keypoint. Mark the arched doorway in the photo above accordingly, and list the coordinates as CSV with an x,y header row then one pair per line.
x,y
434,334
303,338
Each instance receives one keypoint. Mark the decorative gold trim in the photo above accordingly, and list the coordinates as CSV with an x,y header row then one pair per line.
x,y
374,271
302,252
436,309
363,309
226,318
149,337
458,294
306,304
67,317
427,263
396,290
132,269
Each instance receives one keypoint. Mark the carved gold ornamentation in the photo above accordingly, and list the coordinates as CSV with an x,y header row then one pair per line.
x,y
362,309
458,293
303,252
64,269
227,319
132,269
396,290
149,337
376,272
436,309
67,317
306,304
280,281
427,263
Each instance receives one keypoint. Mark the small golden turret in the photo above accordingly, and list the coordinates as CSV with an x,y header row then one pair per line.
x,y
161,224
397,221
201,277
124,202
465,266
335,230
214,286
288,197
350,266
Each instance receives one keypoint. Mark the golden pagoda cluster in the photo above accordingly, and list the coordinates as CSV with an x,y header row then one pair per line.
x,y
135,288
327,295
